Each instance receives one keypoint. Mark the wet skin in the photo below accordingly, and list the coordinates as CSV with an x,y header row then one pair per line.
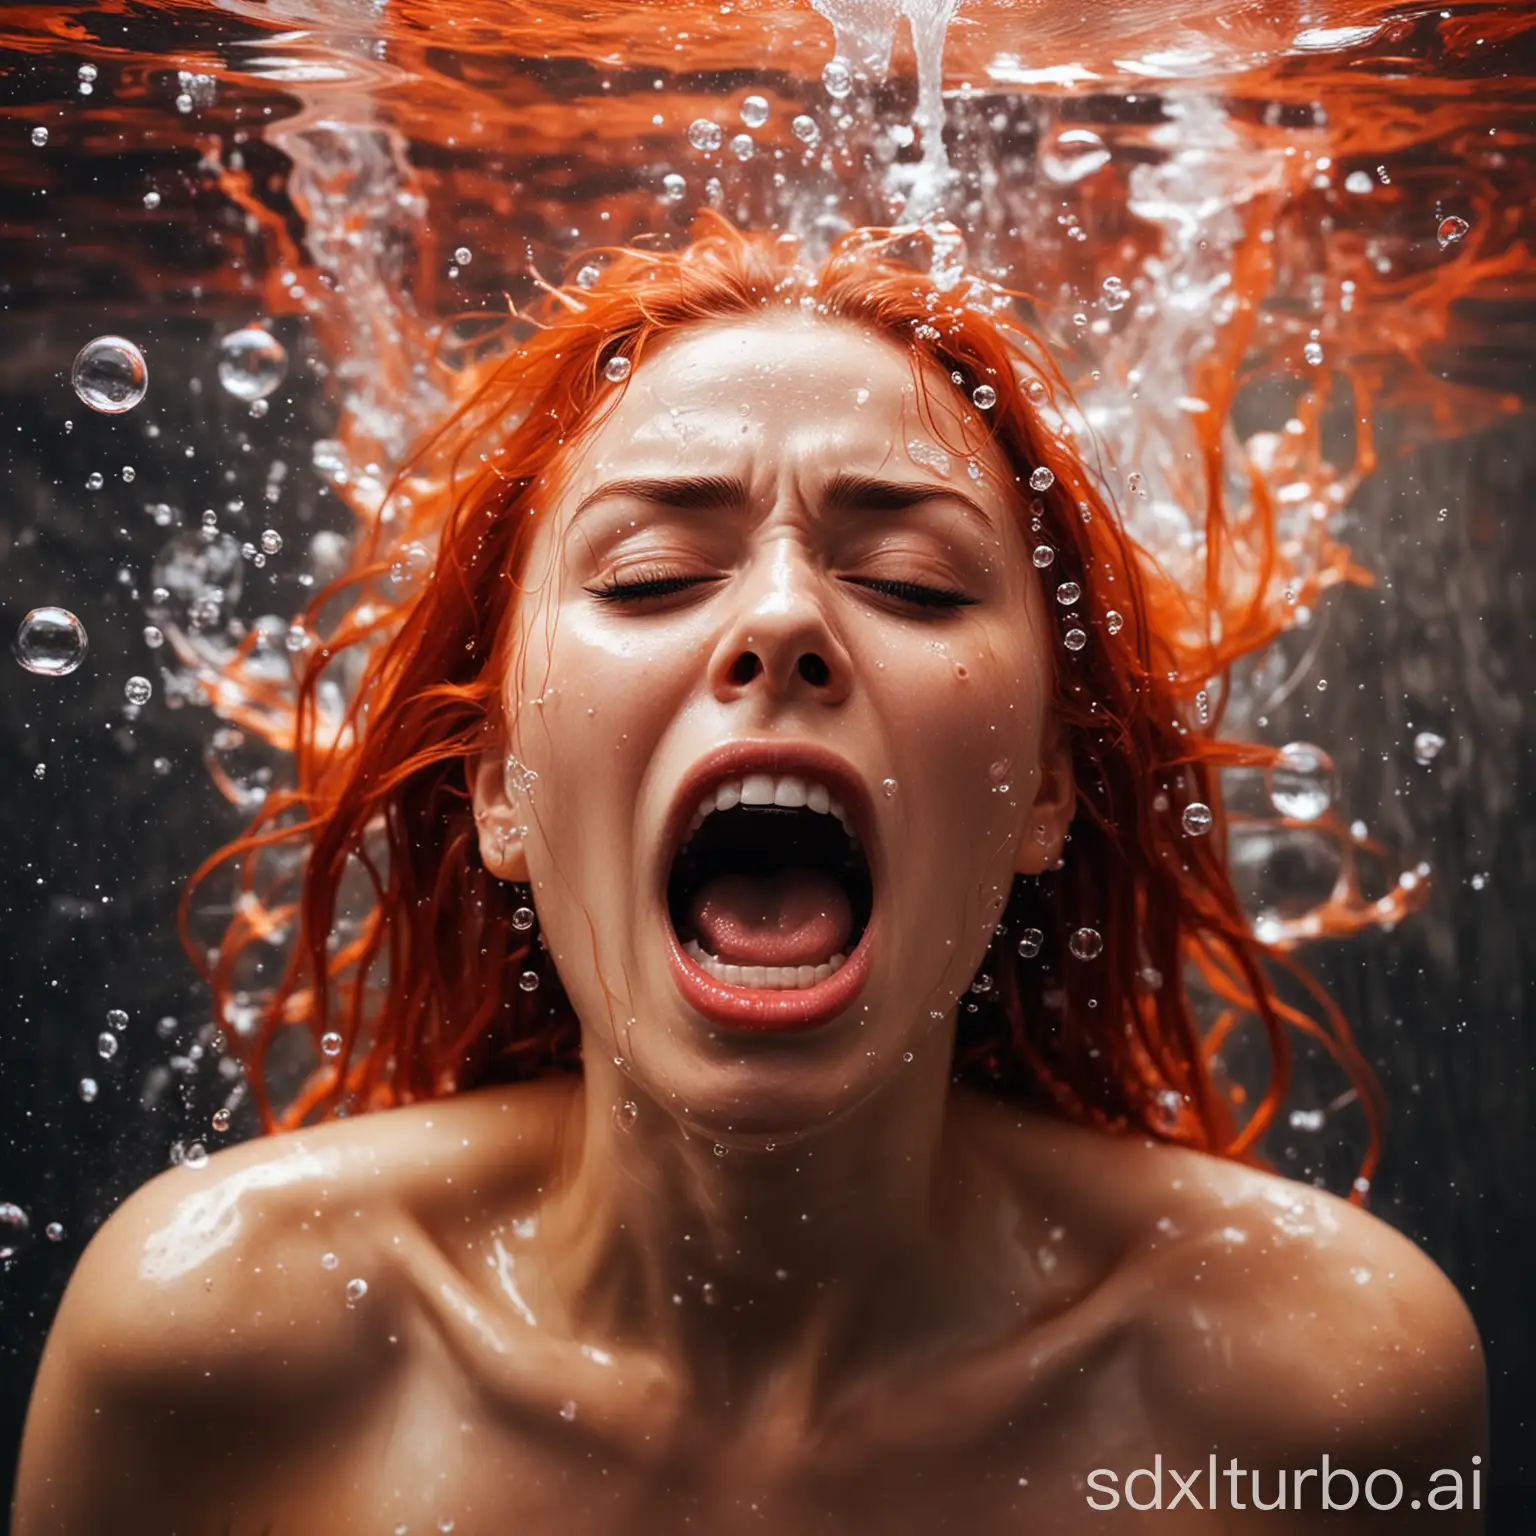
x,y
805,1284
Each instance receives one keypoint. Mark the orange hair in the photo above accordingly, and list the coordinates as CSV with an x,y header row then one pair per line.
x,y
405,956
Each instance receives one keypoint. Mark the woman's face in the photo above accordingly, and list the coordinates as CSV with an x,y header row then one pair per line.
x,y
778,721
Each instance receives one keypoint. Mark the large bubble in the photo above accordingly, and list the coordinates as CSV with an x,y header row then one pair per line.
x,y
50,642
110,375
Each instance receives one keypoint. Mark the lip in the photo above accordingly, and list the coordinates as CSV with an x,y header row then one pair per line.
x,y
759,1008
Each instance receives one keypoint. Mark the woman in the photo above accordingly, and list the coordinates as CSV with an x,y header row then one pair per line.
x,y
781,829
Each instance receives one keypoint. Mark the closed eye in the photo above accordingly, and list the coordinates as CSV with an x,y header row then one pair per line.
x,y
615,591
913,592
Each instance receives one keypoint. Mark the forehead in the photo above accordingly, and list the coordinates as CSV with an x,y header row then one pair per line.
x,y
790,391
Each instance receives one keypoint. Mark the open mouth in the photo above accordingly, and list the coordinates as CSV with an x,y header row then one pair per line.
x,y
770,898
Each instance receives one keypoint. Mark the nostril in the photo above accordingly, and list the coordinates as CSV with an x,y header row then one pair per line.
x,y
814,670
745,668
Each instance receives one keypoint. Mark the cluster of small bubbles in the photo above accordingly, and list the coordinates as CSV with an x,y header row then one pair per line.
x,y
15,1228
1115,295
220,1121
1114,621
88,1090
982,985
1451,231
588,277
983,397
195,1157
137,690
754,111
271,541
1042,479
39,137
1197,818
617,370
40,771
106,1045
523,919
1427,746
252,363
837,78
705,134
804,128
528,981
109,374
1301,781
330,1043
888,787
743,146
1313,352
54,1231
1308,1119
1136,483
356,1290
415,559
151,200
87,72
625,1113
1086,943
50,642
1074,639
1030,942
1068,593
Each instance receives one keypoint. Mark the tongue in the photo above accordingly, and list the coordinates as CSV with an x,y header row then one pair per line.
x,y
794,917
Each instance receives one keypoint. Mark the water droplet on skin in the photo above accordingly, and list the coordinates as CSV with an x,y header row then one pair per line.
x,y
617,370
356,1290
625,1113
330,1043
1068,593
1114,621
15,1229
804,128
88,1089
50,642
523,919
528,981
1197,818
110,375
568,1410
138,690
1042,479
1030,942
1451,231
1301,782
252,363
888,787
1360,1275
983,397
1086,943
1427,746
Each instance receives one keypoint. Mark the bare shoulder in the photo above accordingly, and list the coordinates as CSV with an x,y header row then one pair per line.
x,y
1272,1319
261,1290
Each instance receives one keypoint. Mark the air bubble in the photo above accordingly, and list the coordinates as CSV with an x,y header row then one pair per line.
x,y
1451,231
329,1261
1086,943
1115,295
1035,389
617,370
1313,352
106,1045
1074,639
330,1043
1301,782
1042,479
118,1019
221,1118
1043,556
625,1113
252,363
754,111
888,787
138,690
88,1090
195,1157
588,277
528,981
1114,621
705,134
15,1229
983,397
1197,818
804,128
743,146
837,78
50,642
110,375
1068,593
1427,746
356,1290
1359,183
463,255
54,1232
523,919
151,201
1031,940
673,187
1070,154
271,541
94,481
39,137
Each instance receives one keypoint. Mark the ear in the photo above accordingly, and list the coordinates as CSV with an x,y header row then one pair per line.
x,y
497,819
1055,803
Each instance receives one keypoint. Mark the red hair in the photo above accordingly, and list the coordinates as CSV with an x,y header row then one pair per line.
x,y
404,956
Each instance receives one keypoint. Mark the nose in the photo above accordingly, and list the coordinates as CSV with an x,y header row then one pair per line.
x,y
779,639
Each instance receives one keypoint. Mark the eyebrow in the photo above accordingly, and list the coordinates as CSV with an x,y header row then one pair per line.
x,y
843,493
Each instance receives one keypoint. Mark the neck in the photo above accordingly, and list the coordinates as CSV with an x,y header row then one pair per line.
x,y
803,1259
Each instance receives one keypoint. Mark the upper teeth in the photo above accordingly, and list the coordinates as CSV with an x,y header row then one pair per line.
x,y
770,789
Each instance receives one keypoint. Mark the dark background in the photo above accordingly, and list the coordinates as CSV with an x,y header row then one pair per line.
x,y
93,855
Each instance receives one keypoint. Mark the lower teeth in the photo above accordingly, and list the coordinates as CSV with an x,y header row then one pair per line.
x,y
766,977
